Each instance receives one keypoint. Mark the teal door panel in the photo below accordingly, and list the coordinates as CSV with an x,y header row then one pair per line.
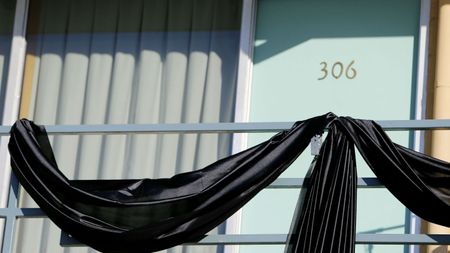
x,y
351,57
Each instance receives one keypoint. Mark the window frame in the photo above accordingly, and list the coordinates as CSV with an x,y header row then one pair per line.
x,y
10,113
242,105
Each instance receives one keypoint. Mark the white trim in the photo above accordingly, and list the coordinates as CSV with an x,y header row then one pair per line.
x,y
244,77
12,97
242,107
422,67
421,96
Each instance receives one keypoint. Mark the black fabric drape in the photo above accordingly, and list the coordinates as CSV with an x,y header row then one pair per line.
x,y
325,219
420,182
153,214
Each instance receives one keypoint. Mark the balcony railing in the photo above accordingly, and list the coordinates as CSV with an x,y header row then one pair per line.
x,y
11,213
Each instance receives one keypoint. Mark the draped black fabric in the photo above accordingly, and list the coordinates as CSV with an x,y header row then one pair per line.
x,y
153,214
325,219
420,182
326,216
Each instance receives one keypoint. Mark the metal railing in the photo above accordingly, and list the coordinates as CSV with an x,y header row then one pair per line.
x,y
11,213
254,127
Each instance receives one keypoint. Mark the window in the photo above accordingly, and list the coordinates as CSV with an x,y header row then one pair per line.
x,y
128,62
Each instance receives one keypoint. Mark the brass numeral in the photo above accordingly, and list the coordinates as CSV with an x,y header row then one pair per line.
x,y
350,72
337,70
324,70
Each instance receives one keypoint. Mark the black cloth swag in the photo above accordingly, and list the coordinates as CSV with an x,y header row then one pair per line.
x,y
148,215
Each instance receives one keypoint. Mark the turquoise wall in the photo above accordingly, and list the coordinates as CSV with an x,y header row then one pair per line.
x,y
351,57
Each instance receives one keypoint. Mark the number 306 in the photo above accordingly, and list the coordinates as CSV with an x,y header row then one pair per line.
x,y
337,70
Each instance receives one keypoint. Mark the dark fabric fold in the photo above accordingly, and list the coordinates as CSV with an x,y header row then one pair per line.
x,y
154,214
325,219
420,182
151,214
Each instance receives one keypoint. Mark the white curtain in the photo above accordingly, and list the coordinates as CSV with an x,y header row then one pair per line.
x,y
130,62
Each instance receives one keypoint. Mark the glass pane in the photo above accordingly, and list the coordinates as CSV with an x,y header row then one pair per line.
x,y
25,237
7,9
24,240
130,62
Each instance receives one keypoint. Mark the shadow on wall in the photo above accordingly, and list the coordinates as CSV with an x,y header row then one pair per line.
x,y
328,19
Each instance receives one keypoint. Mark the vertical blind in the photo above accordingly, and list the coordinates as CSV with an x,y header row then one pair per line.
x,y
128,62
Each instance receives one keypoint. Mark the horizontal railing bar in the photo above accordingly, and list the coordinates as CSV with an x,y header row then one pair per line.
x,y
286,183
22,212
268,239
249,127
280,183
